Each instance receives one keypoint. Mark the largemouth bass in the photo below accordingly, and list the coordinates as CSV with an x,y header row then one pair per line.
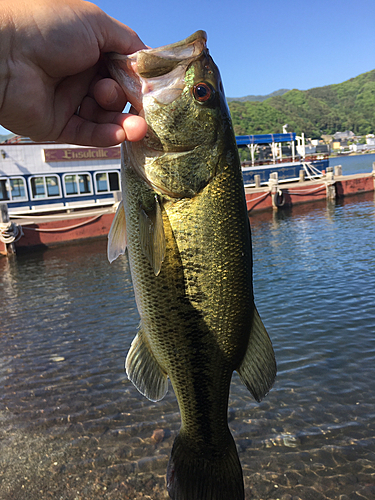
x,y
184,222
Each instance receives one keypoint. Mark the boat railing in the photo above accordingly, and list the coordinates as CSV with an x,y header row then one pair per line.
x,y
258,163
285,159
316,156
61,207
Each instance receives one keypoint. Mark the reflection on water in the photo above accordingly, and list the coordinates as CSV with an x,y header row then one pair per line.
x,y
73,427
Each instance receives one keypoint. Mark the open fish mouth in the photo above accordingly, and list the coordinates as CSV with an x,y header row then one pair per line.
x,y
154,79
156,73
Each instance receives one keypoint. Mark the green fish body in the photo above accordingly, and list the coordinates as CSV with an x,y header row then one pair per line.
x,y
184,222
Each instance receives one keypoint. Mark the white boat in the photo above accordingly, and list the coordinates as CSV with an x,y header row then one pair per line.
x,y
49,177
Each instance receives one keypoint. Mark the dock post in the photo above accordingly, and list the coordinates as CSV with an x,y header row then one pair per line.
x,y
257,180
4,224
330,185
301,175
338,170
373,173
276,193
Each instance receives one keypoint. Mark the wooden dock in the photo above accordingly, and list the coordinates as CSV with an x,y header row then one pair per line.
x,y
275,195
43,231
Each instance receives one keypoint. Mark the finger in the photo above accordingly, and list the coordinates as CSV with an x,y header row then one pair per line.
x,y
109,95
91,111
135,127
113,36
87,133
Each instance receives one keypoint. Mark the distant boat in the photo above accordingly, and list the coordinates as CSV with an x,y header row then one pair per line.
x,y
285,154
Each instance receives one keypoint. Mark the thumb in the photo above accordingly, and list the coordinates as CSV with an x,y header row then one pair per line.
x,y
114,36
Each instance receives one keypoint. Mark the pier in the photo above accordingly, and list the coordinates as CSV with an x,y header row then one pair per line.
x,y
43,231
333,185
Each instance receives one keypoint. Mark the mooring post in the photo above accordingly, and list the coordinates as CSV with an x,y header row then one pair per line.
x,y
273,184
330,184
373,173
302,175
257,180
4,223
338,170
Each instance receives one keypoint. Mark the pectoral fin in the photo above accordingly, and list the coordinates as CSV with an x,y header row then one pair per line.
x,y
144,371
117,235
258,368
151,230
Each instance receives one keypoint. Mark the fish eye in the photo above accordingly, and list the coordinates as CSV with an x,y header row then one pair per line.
x,y
203,92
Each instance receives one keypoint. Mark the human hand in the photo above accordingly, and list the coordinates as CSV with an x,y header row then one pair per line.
x,y
51,65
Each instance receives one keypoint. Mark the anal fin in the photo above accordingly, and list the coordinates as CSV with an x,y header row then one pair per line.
x,y
258,368
144,371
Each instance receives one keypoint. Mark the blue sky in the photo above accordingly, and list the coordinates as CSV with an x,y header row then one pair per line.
x,y
264,45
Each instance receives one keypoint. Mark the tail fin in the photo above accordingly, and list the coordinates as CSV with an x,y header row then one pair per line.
x,y
204,476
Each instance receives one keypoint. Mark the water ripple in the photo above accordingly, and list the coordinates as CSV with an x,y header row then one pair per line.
x,y
72,426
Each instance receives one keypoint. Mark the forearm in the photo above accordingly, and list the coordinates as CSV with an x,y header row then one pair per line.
x,y
6,35
19,81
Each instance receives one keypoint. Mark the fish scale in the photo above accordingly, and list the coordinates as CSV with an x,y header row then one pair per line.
x,y
184,222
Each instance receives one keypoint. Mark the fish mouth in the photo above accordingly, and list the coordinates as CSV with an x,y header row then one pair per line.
x,y
156,73
152,63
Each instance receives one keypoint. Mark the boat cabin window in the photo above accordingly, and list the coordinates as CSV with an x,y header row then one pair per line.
x,y
45,186
77,184
107,181
13,189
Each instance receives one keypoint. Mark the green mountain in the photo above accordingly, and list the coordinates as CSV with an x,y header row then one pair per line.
x,y
323,110
259,98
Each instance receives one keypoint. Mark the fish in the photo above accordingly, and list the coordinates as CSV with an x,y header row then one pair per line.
x,y
184,224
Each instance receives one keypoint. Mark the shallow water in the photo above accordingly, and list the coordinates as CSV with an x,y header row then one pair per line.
x,y
73,427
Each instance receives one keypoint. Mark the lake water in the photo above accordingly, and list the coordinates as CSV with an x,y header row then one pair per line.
x,y
359,164
72,427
